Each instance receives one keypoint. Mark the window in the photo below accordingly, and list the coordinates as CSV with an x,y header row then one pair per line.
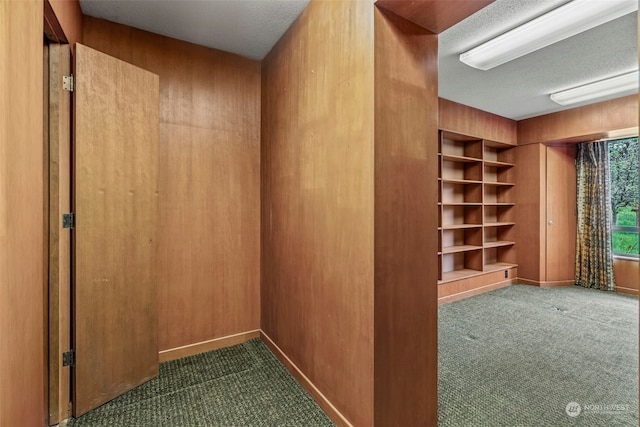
x,y
623,158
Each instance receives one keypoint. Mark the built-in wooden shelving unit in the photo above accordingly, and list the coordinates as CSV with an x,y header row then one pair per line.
x,y
476,206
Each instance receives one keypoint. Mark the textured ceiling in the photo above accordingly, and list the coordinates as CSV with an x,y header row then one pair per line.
x,y
246,27
521,88
518,89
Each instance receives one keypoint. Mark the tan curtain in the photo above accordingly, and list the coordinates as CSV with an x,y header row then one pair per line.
x,y
594,255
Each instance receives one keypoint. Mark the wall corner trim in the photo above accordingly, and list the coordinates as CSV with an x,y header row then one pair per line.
x,y
203,346
331,411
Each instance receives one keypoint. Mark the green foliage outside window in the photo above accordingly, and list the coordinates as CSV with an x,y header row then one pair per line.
x,y
625,184
625,242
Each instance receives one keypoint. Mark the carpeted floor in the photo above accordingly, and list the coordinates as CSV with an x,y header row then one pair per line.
x,y
243,385
517,356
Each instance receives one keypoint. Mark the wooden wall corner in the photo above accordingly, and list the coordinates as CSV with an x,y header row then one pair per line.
x,y
470,121
406,156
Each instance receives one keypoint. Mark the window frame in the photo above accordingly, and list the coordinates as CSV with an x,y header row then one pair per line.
x,y
631,229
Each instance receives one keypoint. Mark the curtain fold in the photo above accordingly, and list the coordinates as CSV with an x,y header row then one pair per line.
x,y
594,254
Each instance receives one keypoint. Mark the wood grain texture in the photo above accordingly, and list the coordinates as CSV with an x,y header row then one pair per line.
x,y
52,29
546,284
434,15
22,291
406,223
628,291
326,405
618,117
470,121
484,246
115,205
317,201
59,266
69,17
530,190
210,345
545,191
561,211
484,282
627,274
45,205
554,283
209,182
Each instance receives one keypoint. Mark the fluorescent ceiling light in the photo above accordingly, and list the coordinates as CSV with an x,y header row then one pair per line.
x,y
615,85
561,23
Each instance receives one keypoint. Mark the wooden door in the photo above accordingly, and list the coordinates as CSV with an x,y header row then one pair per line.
x,y
58,149
561,215
115,183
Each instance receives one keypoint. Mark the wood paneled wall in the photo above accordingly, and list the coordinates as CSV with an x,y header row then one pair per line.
x,y
618,117
317,201
59,239
531,207
560,216
600,120
69,16
406,223
209,182
434,15
627,274
470,121
22,288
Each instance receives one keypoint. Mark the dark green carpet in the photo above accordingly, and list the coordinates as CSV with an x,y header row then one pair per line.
x,y
242,385
518,355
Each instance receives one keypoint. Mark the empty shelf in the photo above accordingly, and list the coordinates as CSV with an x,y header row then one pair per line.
x,y
460,181
450,276
498,243
498,266
460,226
498,184
460,159
497,164
499,224
460,248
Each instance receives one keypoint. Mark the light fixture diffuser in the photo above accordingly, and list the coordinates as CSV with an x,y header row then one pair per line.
x,y
561,23
615,85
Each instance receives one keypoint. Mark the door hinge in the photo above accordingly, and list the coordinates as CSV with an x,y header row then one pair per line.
x,y
69,358
67,83
68,220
